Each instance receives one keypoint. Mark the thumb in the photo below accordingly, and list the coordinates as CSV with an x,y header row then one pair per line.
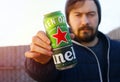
x,y
72,35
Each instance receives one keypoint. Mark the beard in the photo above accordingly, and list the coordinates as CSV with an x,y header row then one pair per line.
x,y
86,34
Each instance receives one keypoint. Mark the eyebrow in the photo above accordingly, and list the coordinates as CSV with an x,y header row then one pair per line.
x,y
84,12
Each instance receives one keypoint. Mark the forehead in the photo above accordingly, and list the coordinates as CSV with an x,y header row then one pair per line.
x,y
84,6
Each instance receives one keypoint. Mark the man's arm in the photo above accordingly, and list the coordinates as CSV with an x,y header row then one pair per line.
x,y
41,72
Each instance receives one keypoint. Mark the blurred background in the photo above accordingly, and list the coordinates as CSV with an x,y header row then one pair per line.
x,y
21,19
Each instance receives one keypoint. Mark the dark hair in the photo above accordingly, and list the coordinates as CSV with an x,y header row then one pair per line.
x,y
69,7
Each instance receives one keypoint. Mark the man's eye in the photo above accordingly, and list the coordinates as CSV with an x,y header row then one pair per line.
x,y
91,14
77,15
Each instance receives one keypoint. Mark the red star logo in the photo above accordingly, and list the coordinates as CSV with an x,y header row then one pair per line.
x,y
60,36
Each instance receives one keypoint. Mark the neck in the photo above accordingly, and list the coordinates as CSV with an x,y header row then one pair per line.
x,y
90,44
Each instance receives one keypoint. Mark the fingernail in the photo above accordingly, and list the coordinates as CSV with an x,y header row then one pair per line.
x,y
50,53
49,48
48,41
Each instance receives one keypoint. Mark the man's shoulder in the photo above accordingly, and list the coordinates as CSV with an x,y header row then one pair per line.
x,y
115,43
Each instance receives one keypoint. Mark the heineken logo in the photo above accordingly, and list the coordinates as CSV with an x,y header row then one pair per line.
x,y
60,36
67,55
54,21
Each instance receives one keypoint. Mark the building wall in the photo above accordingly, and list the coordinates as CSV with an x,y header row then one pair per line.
x,y
12,64
115,34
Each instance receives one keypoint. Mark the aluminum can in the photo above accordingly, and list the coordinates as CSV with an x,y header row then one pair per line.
x,y
57,31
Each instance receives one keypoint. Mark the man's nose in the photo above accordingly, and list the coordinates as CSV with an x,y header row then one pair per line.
x,y
84,20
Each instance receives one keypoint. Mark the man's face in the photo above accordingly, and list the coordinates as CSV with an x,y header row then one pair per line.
x,y
83,20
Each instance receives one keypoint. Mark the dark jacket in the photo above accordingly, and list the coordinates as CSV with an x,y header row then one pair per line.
x,y
87,69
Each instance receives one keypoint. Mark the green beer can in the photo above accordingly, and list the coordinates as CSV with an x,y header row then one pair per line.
x,y
58,33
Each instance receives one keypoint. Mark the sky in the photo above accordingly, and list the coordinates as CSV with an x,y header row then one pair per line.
x,y
20,20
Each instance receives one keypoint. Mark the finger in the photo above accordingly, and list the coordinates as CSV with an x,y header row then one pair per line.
x,y
38,57
38,49
40,43
30,54
42,59
43,37
72,35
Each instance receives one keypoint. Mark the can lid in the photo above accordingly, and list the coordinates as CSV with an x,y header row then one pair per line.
x,y
52,14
